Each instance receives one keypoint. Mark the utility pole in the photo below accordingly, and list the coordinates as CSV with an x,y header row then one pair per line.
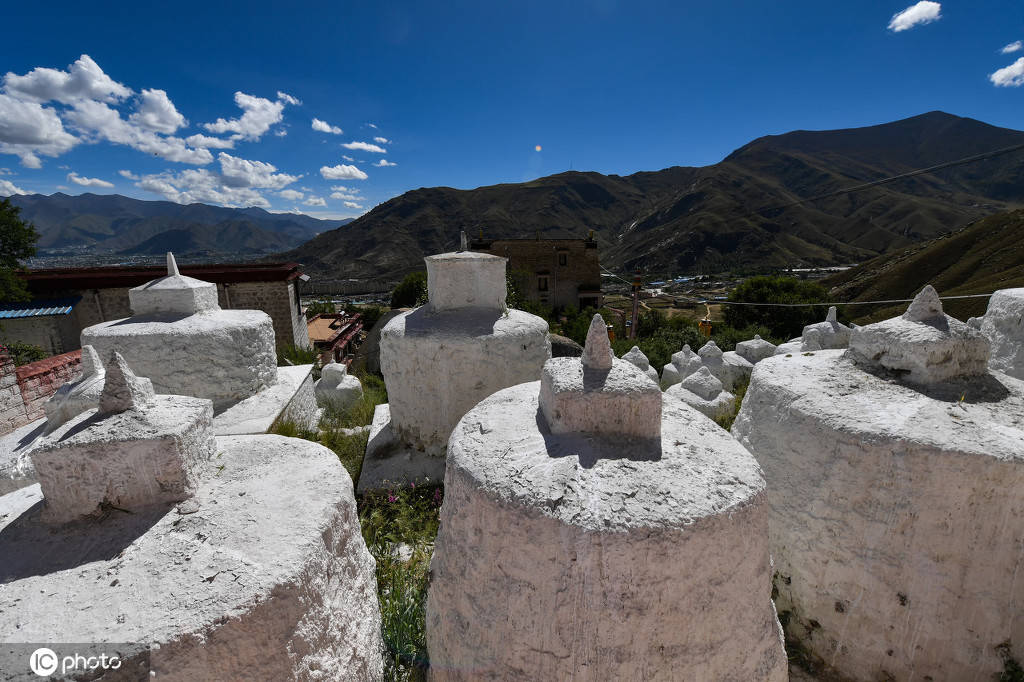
x,y
636,305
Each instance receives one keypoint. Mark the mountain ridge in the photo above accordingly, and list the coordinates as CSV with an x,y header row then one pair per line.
x,y
752,210
116,224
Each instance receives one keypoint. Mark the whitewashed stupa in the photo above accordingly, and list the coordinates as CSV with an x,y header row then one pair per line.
x,y
179,337
1003,325
441,359
221,558
895,474
590,533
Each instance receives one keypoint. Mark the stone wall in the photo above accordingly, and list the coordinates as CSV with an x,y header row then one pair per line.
x,y
53,333
275,298
25,390
568,265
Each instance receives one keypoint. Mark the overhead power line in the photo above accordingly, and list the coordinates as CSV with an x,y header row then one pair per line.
x,y
804,305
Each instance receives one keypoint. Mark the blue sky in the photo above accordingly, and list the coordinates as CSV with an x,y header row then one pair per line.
x,y
200,102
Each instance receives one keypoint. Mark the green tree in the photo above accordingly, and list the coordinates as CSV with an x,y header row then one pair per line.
x,y
317,307
411,292
17,242
783,321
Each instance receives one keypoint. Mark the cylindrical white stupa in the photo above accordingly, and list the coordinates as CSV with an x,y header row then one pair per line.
x,y
590,533
179,337
896,480
442,358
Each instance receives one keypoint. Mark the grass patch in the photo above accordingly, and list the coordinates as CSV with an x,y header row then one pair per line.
x,y
399,527
726,421
297,355
360,413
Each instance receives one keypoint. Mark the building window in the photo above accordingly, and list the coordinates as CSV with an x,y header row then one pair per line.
x,y
542,284
563,259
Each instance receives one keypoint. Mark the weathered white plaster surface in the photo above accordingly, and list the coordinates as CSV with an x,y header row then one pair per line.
x,y
703,392
683,364
561,556
439,365
896,514
16,470
174,294
133,452
223,355
924,345
290,399
791,346
465,279
755,350
636,357
1003,324
268,580
390,463
620,400
79,395
831,333
729,368
336,388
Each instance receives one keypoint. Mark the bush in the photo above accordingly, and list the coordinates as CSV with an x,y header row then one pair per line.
x,y
370,314
297,355
317,307
411,292
23,353
783,322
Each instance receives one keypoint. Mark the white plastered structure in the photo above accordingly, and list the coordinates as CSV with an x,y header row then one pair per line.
x,y
584,555
703,392
336,388
442,358
180,338
1003,324
896,480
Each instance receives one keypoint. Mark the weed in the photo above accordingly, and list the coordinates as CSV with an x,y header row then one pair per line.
x,y
740,391
403,518
297,355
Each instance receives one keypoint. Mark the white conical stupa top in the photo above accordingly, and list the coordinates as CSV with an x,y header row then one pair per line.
x,y
174,294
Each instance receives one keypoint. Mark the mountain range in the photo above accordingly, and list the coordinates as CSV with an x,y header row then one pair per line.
x,y
115,224
976,259
779,201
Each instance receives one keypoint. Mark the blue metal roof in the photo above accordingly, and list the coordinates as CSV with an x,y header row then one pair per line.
x,y
53,306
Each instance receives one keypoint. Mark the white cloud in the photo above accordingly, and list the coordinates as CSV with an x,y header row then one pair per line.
x,y
207,142
237,184
157,113
259,114
364,146
238,172
345,195
348,158
88,182
352,204
371,125
28,129
384,163
315,201
280,132
288,99
91,116
8,188
6,171
128,174
924,12
1015,46
342,188
382,140
290,194
325,127
1011,76
342,172
83,80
